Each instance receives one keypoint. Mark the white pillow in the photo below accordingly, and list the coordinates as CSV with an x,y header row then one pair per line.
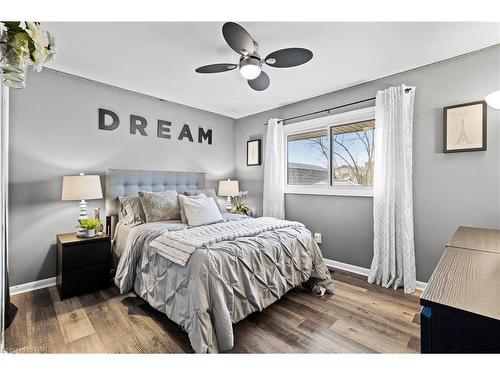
x,y
200,210
181,204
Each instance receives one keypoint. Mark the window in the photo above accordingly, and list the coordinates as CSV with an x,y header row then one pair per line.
x,y
352,153
332,155
308,158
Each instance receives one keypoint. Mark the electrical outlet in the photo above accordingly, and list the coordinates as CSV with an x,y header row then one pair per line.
x,y
317,237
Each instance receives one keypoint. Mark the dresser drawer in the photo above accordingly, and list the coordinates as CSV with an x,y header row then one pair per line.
x,y
85,254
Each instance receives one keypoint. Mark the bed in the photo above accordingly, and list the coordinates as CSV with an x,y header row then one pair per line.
x,y
226,278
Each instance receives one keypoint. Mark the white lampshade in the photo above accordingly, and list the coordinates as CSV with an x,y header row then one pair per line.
x,y
493,99
228,188
81,187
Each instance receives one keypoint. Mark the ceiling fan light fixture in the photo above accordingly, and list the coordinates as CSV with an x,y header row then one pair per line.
x,y
250,62
250,67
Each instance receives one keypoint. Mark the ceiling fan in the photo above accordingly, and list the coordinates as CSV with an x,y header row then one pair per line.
x,y
251,63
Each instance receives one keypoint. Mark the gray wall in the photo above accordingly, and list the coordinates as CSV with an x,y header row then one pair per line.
x,y
54,132
449,189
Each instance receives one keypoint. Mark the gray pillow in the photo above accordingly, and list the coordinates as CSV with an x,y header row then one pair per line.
x,y
181,206
208,192
130,210
200,210
160,206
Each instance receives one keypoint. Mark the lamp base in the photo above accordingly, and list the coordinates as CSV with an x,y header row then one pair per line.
x,y
228,204
83,215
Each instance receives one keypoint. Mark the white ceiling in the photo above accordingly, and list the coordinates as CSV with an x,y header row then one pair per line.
x,y
159,59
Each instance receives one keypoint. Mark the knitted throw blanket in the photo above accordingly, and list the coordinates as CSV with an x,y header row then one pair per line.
x,y
178,246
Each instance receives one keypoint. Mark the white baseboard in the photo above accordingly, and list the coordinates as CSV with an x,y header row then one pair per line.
x,y
347,267
34,285
420,285
45,283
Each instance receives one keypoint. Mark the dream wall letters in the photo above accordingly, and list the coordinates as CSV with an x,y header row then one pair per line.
x,y
109,120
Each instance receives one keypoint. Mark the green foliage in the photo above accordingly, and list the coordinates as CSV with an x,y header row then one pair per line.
x,y
241,208
89,223
26,38
19,38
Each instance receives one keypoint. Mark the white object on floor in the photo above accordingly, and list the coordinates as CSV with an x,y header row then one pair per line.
x,y
274,172
393,262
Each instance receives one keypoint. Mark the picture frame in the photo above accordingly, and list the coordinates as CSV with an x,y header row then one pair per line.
x,y
254,155
464,127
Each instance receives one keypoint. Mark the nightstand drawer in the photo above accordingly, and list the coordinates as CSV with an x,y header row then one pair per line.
x,y
85,254
81,280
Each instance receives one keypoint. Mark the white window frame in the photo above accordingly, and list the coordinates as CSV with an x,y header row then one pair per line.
x,y
326,123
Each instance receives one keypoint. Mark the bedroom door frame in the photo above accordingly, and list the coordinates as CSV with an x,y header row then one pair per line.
x,y
4,202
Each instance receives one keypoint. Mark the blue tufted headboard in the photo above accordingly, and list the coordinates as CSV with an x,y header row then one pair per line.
x,y
123,182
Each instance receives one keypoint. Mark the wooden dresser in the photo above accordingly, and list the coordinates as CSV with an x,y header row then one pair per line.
x,y
461,303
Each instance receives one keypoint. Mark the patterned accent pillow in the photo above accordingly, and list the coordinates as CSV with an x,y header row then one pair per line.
x,y
208,192
181,205
160,206
130,210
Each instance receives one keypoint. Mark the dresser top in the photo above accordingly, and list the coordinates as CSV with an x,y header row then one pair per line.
x,y
467,280
69,238
468,275
476,239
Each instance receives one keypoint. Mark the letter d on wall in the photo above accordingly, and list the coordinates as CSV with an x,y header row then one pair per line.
x,y
102,119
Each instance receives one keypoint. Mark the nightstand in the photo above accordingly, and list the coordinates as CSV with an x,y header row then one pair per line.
x,y
83,264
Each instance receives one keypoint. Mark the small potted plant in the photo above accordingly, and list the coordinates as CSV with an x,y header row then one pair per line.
x,y
89,225
240,207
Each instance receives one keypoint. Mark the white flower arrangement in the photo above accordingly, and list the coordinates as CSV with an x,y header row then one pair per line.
x,y
30,42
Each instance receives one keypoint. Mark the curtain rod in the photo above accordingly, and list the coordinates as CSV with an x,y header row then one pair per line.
x,y
330,109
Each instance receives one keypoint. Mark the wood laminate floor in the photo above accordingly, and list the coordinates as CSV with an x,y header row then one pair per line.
x,y
358,318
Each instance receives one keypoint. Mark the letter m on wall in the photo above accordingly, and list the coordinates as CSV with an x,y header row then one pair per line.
x,y
204,135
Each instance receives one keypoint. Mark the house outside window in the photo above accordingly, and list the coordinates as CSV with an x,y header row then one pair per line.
x,y
332,155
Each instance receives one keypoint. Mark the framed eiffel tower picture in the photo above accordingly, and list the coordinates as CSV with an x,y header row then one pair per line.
x,y
464,127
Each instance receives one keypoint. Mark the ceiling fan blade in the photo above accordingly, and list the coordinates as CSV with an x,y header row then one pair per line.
x,y
238,38
260,83
216,68
288,57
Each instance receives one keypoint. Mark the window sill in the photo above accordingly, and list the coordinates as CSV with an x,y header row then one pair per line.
x,y
329,190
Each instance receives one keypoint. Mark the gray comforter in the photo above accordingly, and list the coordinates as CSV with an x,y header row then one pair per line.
x,y
221,283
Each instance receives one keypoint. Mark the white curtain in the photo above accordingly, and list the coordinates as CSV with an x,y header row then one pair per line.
x,y
274,174
393,262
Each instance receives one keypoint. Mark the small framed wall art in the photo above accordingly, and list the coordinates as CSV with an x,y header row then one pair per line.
x,y
254,152
464,127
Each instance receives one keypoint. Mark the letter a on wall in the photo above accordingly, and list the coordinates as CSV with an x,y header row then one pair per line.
x,y
186,132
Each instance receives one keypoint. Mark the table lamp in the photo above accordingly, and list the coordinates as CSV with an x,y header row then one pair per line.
x,y
228,188
80,188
